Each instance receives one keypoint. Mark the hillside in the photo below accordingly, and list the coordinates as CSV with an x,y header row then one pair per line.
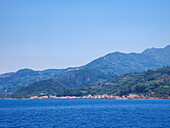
x,y
97,71
10,82
121,63
154,82
161,55
43,87
85,77
151,83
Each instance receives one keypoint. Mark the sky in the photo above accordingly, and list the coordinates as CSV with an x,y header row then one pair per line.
x,y
45,34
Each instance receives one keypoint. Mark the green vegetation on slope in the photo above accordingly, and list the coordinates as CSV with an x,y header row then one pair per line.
x,y
43,87
10,82
152,83
98,71
85,77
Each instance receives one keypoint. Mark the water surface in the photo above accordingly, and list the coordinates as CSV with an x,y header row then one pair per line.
x,y
84,113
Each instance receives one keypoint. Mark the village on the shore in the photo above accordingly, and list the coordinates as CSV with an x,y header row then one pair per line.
x,y
104,96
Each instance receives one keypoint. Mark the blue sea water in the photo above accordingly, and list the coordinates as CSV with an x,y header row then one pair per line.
x,y
84,113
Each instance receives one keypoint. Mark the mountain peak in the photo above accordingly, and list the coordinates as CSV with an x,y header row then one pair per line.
x,y
25,70
168,46
153,49
101,69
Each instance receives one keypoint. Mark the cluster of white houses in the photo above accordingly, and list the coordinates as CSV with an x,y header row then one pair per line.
x,y
104,96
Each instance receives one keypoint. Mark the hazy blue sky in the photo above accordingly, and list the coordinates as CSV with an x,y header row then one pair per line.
x,y
41,34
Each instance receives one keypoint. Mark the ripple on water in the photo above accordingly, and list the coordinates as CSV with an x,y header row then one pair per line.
x,y
87,113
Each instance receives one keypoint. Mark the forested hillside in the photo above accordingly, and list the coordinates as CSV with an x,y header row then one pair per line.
x,y
98,71
154,82
151,83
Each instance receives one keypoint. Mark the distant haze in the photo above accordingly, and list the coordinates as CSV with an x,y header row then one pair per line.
x,y
42,34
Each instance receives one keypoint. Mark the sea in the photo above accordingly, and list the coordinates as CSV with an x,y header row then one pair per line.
x,y
84,113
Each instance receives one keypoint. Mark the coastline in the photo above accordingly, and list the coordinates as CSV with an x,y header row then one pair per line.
x,y
104,96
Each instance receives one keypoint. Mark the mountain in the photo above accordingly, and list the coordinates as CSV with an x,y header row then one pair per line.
x,y
95,72
10,82
162,55
43,87
85,77
155,82
121,63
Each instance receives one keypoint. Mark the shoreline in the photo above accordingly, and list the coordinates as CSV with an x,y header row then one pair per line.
x,y
75,99
103,96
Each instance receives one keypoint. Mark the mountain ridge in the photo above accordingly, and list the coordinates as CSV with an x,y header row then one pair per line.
x,y
111,65
43,87
151,83
117,52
